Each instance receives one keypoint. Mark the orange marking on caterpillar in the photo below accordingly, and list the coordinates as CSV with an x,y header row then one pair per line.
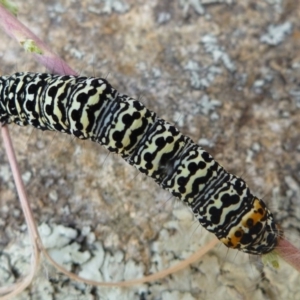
x,y
256,215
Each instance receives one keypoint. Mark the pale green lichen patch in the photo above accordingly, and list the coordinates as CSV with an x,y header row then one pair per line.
x,y
30,46
271,259
10,6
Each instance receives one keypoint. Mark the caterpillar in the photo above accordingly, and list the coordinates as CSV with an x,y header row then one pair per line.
x,y
90,108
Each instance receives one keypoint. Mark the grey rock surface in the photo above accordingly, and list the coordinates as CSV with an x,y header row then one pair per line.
x,y
227,73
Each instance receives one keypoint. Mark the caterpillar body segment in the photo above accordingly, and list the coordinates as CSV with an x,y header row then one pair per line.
x,y
90,108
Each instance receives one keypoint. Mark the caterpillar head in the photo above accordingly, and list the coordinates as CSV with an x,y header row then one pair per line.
x,y
256,233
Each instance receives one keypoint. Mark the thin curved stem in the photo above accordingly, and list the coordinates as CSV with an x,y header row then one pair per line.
x,y
156,276
32,229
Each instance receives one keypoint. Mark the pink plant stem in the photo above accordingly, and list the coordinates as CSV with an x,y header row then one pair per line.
x,y
33,232
16,174
289,253
21,33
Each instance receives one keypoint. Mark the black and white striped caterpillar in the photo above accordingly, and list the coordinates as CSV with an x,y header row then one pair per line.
x,y
90,108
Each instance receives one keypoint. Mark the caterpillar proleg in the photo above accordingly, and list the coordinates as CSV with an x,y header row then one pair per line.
x,y
90,108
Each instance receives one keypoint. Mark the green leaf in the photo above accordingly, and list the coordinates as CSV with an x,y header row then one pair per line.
x,y
271,258
30,46
10,7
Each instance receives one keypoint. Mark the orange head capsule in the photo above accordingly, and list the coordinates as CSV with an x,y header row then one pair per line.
x,y
256,233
